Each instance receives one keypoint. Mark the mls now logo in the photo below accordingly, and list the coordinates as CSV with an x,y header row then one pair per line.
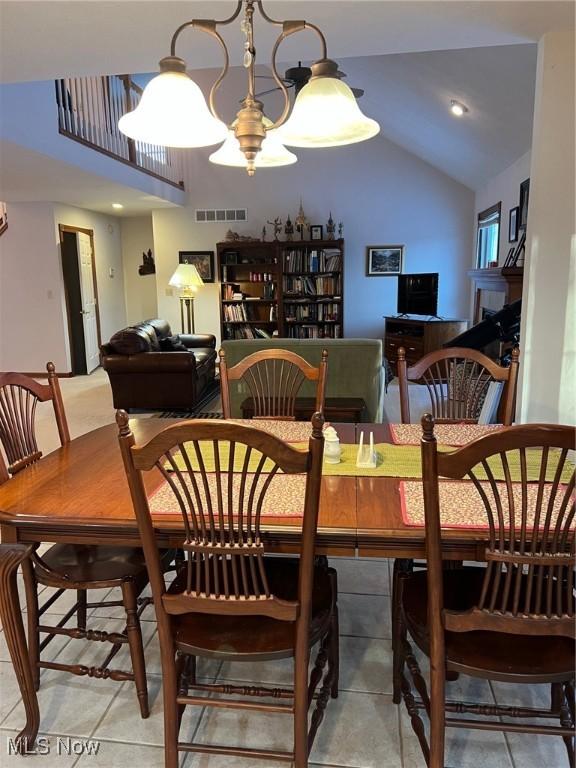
x,y
43,745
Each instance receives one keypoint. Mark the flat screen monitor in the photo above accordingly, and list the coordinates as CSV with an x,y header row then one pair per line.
x,y
418,294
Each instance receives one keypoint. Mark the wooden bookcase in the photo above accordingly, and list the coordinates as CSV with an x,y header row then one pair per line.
x,y
284,289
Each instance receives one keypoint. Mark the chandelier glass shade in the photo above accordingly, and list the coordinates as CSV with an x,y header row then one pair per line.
x,y
326,114
272,153
173,112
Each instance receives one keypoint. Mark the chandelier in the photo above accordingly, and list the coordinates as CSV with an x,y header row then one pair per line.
x,y
173,112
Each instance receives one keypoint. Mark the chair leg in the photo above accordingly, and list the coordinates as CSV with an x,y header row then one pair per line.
x,y
171,720
134,633
334,655
563,696
81,612
437,711
31,587
402,568
301,711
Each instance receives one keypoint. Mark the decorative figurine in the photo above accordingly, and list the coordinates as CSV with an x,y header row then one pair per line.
x,y
289,230
301,221
277,224
330,228
340,228
147,267
263,234
233,237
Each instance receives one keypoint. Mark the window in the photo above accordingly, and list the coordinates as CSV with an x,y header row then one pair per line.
x,y
488,238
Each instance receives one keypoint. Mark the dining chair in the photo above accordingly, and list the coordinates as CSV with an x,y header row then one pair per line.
x,y
511,621
70,566
457,380
231,600
273,379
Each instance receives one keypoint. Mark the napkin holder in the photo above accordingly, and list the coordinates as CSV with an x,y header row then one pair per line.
x,y
366,456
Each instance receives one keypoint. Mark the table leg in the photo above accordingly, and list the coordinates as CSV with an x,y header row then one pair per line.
x,y
11,556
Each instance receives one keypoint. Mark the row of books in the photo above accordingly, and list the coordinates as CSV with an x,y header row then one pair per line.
x,y
311,311
312,286
313,261
314,332
245,332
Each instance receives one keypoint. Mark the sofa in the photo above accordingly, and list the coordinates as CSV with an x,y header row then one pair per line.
x,y
151,368
354,368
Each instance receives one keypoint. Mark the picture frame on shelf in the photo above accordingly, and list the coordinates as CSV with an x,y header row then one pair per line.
x,y
316,232
3,218
513,222
523,213
384,260
515,256
509,256
202,260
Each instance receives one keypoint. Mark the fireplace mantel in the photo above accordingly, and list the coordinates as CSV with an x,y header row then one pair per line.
x,y
506,280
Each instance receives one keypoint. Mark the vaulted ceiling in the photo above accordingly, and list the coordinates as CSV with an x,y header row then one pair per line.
x,y
410,58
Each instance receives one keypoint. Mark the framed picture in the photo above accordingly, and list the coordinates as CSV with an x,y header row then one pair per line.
x,y
384,260
316,232
513,224
523,214
202,260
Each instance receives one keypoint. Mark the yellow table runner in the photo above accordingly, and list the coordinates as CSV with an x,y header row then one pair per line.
x,y
403,461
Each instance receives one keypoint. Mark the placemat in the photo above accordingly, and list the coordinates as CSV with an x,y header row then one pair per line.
x,y
461,505
446,434
284,497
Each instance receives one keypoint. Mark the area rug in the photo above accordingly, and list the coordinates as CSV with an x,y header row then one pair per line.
x,y
198,412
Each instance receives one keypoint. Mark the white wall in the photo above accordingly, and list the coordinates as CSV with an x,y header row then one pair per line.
x,y
33,319
382,194
140,290
108,260
504,188
33,325
548,367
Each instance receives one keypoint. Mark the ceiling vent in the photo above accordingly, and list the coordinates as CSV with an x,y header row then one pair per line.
x,y
217,215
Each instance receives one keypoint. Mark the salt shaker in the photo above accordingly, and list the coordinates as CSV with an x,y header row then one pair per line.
x,y
332,448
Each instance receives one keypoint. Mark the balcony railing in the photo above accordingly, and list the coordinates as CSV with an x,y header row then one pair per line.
x,y
88,111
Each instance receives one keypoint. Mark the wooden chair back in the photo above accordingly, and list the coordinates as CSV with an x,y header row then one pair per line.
x,y
273,377
219,474
19,396
457,380
525,482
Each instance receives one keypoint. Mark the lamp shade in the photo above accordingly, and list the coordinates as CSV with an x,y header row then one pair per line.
x,y
326,114
187,278
173,113
272,153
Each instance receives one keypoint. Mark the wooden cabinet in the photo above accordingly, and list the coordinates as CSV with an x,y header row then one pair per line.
x,y
418,337
285,289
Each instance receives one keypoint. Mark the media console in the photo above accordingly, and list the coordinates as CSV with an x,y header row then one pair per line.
x,y
417,336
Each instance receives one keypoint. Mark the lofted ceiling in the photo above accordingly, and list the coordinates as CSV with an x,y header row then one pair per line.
x,y
410,57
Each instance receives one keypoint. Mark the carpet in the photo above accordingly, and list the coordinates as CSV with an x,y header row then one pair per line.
x,y
198,412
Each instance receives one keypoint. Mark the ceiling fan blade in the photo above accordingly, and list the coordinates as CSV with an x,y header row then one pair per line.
x,y
271,90
358,92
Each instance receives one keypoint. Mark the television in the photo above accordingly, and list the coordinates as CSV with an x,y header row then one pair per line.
x,y
418,294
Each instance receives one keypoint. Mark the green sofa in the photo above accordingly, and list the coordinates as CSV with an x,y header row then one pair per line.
x,y
354,368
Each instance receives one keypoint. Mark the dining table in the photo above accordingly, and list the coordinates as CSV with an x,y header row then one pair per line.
x,y
79,494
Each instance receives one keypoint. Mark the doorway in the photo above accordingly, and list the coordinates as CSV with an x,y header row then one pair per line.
x,y
81,291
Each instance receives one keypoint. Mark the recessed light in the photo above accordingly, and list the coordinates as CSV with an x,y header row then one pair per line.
x,y
457,108
117,205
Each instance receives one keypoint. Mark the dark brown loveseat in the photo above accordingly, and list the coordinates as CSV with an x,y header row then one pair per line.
x,y
150,368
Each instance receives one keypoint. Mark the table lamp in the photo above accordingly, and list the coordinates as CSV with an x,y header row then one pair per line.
x,y
188,279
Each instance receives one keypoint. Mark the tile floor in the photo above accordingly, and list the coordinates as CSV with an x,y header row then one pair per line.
x,y
362,728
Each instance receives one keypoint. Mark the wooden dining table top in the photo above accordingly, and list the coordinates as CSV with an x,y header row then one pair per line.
x,y
79,493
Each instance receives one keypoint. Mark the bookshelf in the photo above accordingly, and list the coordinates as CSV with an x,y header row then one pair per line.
x,y
284,289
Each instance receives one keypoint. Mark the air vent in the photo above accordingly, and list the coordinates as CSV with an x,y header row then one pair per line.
x,y
217,215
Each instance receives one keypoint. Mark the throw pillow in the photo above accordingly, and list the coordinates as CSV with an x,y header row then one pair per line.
x,y
172,344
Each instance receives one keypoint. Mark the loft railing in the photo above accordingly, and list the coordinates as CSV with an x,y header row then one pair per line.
x,y
88,111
